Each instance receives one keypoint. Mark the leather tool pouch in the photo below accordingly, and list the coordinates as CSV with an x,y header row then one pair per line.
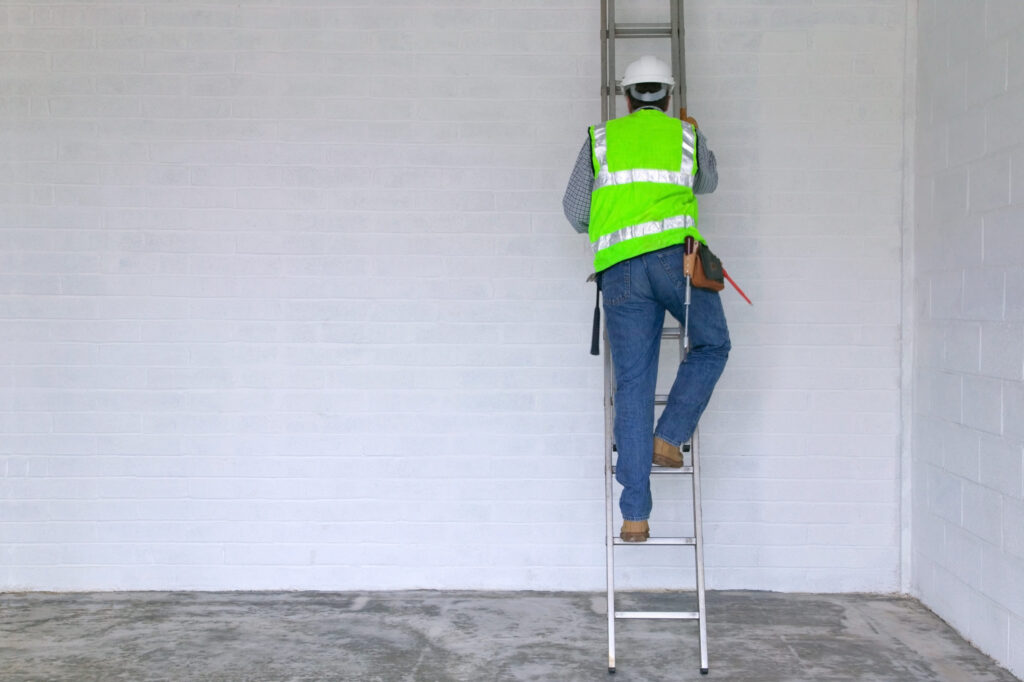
x,y
704,268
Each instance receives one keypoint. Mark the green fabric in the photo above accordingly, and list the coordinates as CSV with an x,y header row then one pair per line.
x,y
645,139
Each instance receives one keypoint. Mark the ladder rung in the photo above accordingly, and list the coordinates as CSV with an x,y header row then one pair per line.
x,y
661,398
659,615
671,332
685,446
642,30
658,541
667,470
671,470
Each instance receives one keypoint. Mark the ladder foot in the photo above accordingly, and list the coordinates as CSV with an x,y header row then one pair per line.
x,y
703,671
611,671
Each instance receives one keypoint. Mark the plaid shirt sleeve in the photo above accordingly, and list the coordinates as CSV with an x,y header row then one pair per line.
x,y
576,201
706,179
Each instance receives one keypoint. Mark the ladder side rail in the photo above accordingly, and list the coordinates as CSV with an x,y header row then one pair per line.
x,y
679,52
605,61
698,531
611,59
609,426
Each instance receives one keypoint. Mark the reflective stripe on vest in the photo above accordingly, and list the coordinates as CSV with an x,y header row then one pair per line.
x,y
642,230
606,178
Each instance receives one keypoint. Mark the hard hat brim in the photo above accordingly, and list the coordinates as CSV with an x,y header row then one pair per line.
x,y
665,80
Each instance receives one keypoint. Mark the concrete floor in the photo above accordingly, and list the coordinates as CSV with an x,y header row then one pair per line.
x,y
474,636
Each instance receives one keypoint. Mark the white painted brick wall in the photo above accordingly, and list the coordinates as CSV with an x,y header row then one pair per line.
x,y
288,300
803,108
968,563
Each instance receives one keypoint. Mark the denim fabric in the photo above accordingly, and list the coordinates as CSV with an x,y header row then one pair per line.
x,y
636,294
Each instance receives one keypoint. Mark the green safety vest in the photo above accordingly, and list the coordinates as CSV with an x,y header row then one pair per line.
x,y
642,201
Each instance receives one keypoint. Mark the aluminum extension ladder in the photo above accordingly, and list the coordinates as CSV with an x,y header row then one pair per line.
x,y
692,468
610,32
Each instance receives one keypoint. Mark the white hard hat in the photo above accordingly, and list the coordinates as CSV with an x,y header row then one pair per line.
x,y
647,69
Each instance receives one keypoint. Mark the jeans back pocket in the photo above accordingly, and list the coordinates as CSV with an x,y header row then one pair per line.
x,y
615,283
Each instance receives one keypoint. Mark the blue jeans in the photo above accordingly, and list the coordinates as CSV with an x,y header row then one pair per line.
x,y
636,294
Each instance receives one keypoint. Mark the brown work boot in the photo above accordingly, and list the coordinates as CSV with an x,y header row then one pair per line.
x,y
666,454
635,531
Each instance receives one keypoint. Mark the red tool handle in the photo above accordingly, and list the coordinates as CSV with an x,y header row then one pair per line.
x,y
736,287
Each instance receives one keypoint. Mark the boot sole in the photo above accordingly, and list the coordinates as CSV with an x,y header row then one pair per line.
x,y
662,461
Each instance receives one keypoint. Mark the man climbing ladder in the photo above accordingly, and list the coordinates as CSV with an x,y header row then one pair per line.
x,y
633,191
